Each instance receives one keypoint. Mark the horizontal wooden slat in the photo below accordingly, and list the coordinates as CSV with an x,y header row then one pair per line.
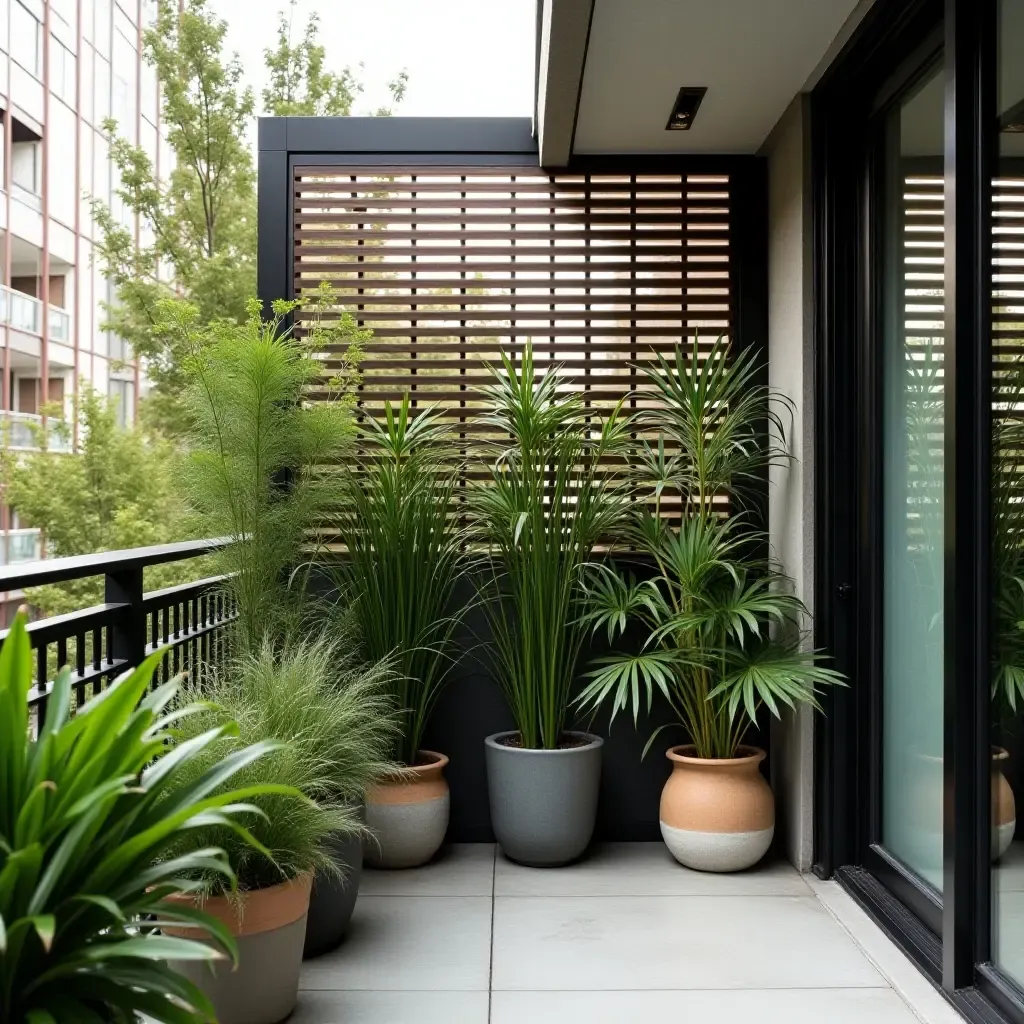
x,y
452,266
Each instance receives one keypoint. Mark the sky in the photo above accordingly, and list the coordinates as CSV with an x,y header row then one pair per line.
x,y
464,57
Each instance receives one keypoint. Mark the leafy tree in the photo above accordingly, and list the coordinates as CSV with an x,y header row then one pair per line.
x,y
121,490
301,85
202,212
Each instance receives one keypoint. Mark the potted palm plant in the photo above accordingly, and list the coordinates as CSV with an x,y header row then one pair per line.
x,y
721,621
552,497
401,564
1008,602
93,802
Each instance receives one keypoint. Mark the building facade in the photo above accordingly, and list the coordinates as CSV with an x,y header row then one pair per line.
x,y
65,67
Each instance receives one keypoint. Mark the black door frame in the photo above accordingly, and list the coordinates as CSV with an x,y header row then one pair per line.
x,y
948,935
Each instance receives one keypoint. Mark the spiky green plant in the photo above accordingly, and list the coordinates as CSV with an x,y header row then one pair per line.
x,y
553,495
89,810
403,556
721,622
260,453
338,721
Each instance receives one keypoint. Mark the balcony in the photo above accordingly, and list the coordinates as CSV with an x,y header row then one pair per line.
x,y
25,313
19,546
23,431
624,934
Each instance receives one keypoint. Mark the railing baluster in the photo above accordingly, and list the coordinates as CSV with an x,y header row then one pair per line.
x,y
100,643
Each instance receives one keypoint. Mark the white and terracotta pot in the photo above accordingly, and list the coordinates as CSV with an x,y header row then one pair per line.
x,y
1004,807
269,926
717,814
408,814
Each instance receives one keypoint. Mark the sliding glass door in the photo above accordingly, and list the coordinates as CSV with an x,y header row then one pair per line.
x,y
907,334
1007,488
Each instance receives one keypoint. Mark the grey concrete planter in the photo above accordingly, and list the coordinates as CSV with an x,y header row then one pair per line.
x,y
269,926
543,802
334,899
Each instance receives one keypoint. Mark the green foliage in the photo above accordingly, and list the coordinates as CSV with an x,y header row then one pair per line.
x,y
403,556
551,498
301,85
722,625
338,721
88,813
120,490
1008,545
202,212
258,469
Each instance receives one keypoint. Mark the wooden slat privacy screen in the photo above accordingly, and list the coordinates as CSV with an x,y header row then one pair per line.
x,y
451,265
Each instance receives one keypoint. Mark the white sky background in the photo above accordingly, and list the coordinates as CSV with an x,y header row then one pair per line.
x,y
464,57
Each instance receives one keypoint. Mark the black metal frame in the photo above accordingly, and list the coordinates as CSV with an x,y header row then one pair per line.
x,y
187,621
285,142
948,935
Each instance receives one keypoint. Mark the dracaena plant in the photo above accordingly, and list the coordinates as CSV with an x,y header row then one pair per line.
x,y
720,625
553,496
90,806
403,556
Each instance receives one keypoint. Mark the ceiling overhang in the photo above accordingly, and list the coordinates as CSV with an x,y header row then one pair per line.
x,y
609,71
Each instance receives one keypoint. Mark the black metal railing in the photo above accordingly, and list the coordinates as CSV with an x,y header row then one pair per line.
x,y
101,642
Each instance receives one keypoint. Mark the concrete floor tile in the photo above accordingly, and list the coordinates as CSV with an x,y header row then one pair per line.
x,y
643,869
461,869
393,1008
410,943
673,942
771,1006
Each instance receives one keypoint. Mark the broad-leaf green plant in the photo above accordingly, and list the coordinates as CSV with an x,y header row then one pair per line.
x,y
553,496
91,805
403,556
720,623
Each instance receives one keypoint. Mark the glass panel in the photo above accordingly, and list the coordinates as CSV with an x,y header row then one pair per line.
x,y
912,513
1008,499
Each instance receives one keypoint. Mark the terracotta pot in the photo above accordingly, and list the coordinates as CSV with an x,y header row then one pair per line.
x,y
717,814
270,927
408,815
1004,807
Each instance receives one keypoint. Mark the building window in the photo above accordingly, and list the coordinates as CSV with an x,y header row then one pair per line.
x,y
62,72
65,10
122,396
26,39
26,166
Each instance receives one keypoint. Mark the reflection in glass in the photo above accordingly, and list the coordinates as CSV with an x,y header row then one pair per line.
x,y
912,482
1008,499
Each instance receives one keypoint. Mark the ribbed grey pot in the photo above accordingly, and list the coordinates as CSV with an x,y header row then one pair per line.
x,y
543,802
334,899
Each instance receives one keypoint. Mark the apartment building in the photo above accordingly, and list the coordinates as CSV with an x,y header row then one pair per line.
x,y
65,66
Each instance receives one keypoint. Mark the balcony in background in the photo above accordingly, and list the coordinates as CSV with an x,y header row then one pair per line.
x,y
22,431
18,546
25,313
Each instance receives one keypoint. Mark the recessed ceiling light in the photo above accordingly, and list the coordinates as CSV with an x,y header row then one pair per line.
x,y
685,108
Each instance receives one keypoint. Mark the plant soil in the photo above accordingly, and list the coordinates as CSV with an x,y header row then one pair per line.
x,y
565,742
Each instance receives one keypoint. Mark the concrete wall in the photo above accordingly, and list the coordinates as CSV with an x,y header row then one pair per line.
x,y
791,490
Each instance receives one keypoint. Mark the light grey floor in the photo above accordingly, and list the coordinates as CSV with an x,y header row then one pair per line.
x,y
627,935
